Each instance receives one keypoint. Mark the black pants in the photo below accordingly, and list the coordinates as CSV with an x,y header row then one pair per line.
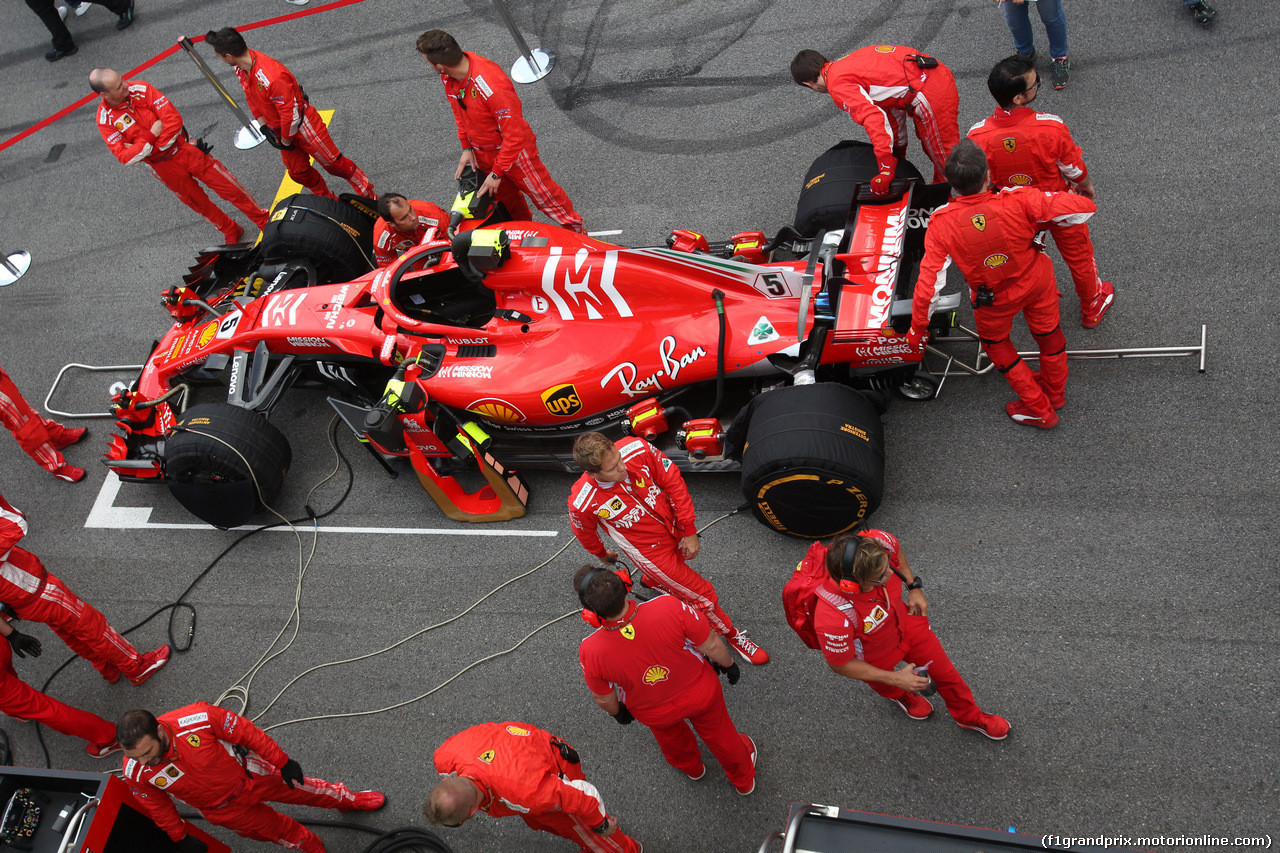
x,y
48,13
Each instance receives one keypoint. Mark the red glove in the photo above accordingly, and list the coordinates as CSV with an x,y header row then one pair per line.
x,y
916,340
880,183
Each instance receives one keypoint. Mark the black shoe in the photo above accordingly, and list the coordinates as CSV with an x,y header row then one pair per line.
x,y
1031,55
1060,72
58,53
126,18
1203,12
6,757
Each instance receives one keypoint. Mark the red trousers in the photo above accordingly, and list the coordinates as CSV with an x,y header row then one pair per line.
x,y
576,829
34,434
529,176
935,113
85,630
1077,250
1036,297
249,816
921,646
188,165
19,699
713,725
313,140
662,567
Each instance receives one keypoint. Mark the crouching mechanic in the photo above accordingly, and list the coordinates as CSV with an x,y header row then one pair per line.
x,y
506,769
866,630
632,490
639,665
404,223
992,239
223,765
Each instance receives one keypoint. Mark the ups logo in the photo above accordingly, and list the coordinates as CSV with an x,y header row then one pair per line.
x,y
563,401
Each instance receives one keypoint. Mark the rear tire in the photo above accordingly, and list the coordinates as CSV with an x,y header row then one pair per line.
x,y
336,237
216,453
813,465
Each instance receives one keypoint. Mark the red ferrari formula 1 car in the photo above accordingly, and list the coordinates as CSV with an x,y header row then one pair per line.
x,y
474,358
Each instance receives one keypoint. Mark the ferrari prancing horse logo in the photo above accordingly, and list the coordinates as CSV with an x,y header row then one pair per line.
x,y
979,222
194,740
1009,144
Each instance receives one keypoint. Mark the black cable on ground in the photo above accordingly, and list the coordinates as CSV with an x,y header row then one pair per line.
x,y
180,603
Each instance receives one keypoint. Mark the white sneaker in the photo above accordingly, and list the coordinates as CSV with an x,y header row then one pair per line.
x,y
62,12
82,8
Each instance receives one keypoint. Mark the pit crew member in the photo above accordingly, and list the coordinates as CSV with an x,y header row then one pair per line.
x,y
638,496
288,120
223,765
494,135
23,702
43,439
32,593
866,630
511,768
140,125
404,223
638,665
879,86
1026,148
991,238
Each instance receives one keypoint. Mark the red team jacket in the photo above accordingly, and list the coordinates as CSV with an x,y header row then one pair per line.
x,y
870,81
273,94
652,661
651,506
1025,148
488,112
520,771
990,236
389,244
126,128
871,628
200,767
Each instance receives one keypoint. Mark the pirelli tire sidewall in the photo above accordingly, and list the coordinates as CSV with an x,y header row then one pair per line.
x,y
215,454
335,236
813,465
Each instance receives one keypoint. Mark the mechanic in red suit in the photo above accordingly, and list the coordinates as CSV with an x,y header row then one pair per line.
x,y
404,223
991,236
23,702
506,769
646,662
866,630
288,120
1026,148
32,593
494,135
140,125
879,86
638,496
43,439
223,765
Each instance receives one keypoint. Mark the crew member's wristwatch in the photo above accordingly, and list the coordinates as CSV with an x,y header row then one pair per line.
x,y
599,830
915,584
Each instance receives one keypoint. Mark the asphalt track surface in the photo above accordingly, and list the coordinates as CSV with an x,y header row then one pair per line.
x,y
1109,586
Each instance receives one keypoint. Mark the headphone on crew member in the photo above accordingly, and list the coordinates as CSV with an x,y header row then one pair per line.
x,y
848,554
594,619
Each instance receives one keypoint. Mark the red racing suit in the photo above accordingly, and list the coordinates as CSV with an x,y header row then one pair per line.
x,y
40,437
646,516
127,130
878,87
202,768
21,700
277,101
876,627
522,772
652,663
491,121
37,596
1026,148
991,238
390,243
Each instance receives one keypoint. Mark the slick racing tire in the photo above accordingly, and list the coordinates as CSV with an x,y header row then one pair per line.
x,y
335,236
813,465
827,193
223,463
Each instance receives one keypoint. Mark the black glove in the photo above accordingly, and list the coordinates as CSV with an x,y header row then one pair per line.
x,y
273,139
731,670
291,773
24,644
204,147
190,844
623,716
